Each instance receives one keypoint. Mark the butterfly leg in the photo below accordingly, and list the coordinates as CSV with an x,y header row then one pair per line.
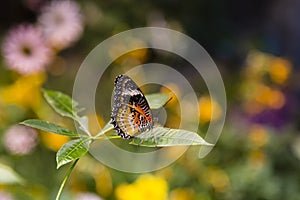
x,y
142,140
154,137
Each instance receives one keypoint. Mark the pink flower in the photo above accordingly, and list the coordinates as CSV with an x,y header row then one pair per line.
x,y
24,50
20,139
5,196
61,22
87,196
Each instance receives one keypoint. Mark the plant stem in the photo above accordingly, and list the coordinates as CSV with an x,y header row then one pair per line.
x,y
81,125
65,180
107,137
105,130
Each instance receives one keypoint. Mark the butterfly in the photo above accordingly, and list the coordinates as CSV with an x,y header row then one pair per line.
x,y
131,113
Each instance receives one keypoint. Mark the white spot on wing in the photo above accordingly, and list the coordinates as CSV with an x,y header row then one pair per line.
x,y
132,92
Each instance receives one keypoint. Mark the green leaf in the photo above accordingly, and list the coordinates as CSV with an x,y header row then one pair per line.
x,y
163,137
9,176
62,103
157,100
49,127
71,151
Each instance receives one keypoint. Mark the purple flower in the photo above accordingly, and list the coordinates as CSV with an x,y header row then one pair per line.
x,y
34,4
24,50
20,139
278,118
61,22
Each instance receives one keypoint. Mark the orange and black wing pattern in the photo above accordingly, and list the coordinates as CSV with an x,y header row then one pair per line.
x,y
131,112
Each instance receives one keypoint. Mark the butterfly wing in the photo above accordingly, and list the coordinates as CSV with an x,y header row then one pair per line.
x,y
131,112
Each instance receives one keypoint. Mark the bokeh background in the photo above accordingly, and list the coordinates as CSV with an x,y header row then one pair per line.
x,y
255,46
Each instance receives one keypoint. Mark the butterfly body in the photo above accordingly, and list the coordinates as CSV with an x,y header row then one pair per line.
x,y
131,113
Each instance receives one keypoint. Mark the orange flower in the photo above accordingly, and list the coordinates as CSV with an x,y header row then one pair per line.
x,y
53,141
280,70
270,97
210,110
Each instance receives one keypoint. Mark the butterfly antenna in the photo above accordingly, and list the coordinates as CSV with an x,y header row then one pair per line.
x,y
171,97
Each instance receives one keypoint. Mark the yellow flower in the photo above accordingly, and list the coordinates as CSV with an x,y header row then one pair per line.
x,y
3,115
280,70
257,158
25,92
210,110
137,56
256,63
146,187
165,173
258,136
269,97
260,97
182,194
103,181
252,107
264,73
101,175
218,179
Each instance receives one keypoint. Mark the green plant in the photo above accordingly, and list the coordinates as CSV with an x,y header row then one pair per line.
x,y
79,145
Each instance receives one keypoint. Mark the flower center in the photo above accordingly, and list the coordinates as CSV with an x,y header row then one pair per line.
x,y
27,51
59,19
